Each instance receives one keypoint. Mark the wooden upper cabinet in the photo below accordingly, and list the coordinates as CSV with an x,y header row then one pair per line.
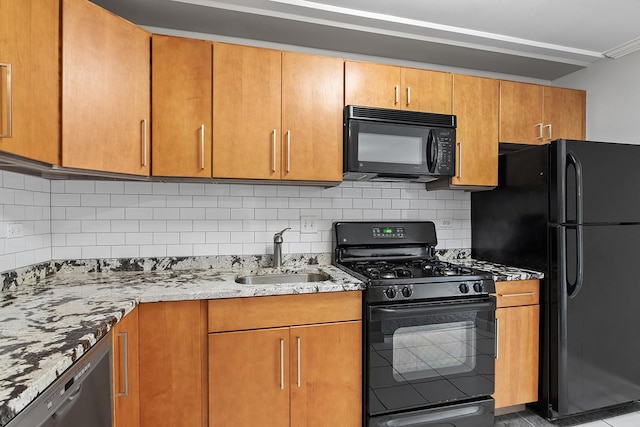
x,y
535,114
29,47
475,102
246,111
427,91
181,106
312,96
106,95
521,113
388,86
564,111
126,382
371,85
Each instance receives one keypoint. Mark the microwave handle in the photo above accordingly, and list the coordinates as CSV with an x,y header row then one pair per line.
x,y
432,151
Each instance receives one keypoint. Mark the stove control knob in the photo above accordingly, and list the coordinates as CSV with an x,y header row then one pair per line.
x,y
464,288
390,293
407,292
477,286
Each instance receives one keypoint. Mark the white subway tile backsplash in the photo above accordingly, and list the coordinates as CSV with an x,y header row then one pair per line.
x,y
86,219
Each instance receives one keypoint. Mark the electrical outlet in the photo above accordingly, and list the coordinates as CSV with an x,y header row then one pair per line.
x,y
308,224
445,223
15,230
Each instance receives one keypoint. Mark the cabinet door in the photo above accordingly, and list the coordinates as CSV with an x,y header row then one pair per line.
x,y
312,93
372,85
106,97
565,111
173,357
126,384
427,91
517,358
246,112
475,102
249,378
181,106
326,375
29,103
521,113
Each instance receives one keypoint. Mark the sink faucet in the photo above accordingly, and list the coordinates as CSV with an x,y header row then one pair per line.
x,y
277,248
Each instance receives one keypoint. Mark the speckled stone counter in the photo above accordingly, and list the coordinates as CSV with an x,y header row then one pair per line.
x,y
51,314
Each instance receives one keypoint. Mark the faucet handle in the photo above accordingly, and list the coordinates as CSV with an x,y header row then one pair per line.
x,y
278,236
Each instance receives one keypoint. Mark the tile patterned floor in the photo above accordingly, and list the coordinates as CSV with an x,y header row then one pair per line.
x,y
623,416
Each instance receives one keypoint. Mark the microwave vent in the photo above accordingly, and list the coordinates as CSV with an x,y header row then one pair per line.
x,y
400,116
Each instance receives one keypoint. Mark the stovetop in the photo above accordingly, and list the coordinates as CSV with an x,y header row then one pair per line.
x,y
396,260
422,269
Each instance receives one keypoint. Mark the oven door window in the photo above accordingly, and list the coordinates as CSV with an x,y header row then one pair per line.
x,y
425,354
428,351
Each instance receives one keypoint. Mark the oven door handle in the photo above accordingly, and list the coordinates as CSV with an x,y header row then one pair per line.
x,y
400,311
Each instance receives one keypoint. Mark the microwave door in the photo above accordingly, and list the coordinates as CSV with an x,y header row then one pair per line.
x,y
386,148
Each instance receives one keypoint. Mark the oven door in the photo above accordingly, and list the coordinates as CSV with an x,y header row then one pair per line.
x,y
431,353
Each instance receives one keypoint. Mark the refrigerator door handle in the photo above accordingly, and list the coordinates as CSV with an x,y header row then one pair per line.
x,y
574,288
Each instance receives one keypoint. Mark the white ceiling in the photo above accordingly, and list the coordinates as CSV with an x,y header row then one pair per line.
x,y
543,39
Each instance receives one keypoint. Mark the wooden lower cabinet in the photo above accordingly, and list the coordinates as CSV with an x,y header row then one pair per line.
x,y
173,368
517,329
301,375
126,383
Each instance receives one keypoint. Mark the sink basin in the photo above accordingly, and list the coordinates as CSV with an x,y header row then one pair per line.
x,y
274,279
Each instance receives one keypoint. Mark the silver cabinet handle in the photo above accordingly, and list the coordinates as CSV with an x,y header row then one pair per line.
x,y
275,137
9,132
459,144
540,136
281,364
144,141
550,131
497,338
397,88
125,346
299,376
202,147
523,294
288,151
408,96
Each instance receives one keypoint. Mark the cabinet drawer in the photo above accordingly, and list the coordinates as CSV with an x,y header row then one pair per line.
x,y
518,292
236,314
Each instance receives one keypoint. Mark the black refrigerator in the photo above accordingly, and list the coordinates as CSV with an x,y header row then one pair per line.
x,y
571,209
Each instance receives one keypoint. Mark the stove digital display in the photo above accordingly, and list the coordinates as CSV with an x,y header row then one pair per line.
x,y
387,232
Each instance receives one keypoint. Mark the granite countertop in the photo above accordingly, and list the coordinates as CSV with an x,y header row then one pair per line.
x,y
49,320
52,313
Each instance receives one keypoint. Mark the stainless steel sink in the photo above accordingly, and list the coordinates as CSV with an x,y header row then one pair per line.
x,y
274,279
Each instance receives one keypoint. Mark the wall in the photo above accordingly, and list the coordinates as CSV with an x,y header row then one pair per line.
x,y
24,199
111,219
613,98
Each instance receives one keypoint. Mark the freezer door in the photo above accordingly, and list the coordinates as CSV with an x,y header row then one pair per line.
x,y
601,178
599,312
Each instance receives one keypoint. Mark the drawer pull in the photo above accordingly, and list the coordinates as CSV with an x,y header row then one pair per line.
x,y
523,294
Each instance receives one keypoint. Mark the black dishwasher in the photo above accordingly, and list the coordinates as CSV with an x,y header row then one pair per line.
x,y
80,397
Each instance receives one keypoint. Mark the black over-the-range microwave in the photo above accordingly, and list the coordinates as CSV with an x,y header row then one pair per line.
x,y
396,145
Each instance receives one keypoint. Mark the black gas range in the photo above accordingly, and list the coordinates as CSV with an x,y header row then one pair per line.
x,y
428,329
397,261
